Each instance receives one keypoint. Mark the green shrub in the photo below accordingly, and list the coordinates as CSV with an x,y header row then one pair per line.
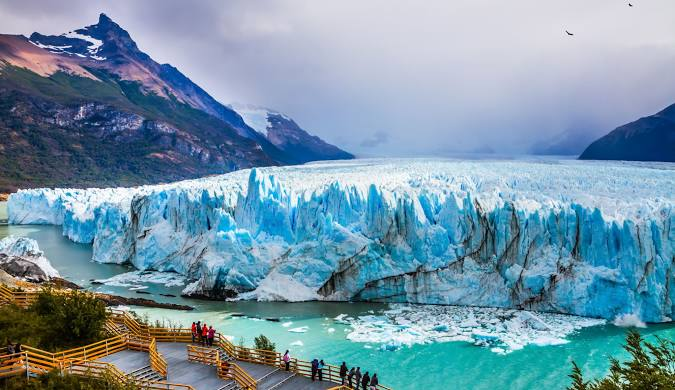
x,y
54,322
652,366
55,381
71,319
262,342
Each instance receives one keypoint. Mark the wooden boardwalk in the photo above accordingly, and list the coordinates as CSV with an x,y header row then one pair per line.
x,y
204,377
165,359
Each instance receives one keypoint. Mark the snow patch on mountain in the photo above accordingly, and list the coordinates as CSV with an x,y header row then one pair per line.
x,y
256,117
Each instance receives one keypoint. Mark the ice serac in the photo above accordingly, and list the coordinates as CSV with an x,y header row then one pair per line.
x,y
585,238
22,258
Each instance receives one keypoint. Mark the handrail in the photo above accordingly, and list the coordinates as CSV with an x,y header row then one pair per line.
x,y
144,338
157,361
231,370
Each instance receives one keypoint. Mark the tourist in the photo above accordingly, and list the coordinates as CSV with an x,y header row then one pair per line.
x,y
199,331
10,348
211,335
205,334
343,373
194,332
287,360
315,368
17,348
357,377
365,381
374,382
320,369
350,376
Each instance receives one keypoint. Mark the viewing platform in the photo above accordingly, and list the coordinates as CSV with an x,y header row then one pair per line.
x,y
166,358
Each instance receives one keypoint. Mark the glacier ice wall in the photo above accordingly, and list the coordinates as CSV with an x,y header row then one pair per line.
x,y
585,238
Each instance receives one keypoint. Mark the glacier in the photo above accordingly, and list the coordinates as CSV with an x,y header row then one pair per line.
x,y
586,238
21,257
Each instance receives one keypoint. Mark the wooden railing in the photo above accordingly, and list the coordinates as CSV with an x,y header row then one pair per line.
x,y
157,361
330,373
232,371
133,335
12,365
99,369
19,298
203,355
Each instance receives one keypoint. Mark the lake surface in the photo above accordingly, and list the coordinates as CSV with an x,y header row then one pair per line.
x,y
457,365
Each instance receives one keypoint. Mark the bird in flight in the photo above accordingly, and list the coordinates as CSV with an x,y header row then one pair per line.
x,y
630,5
569,33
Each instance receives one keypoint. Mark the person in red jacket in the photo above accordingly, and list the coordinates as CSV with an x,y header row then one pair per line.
x,y
211,335
205,333
194,332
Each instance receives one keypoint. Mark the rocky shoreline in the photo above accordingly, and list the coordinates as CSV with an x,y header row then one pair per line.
x,y
117,300
23,264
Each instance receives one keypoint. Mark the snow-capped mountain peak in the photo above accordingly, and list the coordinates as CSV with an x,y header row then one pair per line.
x,y
284,133
256,117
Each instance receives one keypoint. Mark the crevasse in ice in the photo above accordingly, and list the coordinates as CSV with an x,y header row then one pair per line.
x,y
586,238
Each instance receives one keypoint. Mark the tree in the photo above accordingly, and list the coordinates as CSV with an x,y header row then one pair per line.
x,y
265,344
262,342
55,380
76,318
55,321
652,366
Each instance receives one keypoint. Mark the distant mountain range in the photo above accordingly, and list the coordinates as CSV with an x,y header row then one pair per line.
x,y
568,143
651,138
89,108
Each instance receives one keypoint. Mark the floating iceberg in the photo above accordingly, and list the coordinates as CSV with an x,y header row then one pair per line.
x,y
585,238
136,279
501,330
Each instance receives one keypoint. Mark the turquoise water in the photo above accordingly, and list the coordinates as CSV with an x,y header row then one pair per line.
x,y
455,365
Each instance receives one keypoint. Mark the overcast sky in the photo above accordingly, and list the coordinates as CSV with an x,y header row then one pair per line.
x,y
393,77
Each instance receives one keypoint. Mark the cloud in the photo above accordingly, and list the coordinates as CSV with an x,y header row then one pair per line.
x,y
434,74
376,139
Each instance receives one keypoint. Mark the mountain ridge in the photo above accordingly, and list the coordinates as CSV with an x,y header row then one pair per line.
x,y
650,138
100,76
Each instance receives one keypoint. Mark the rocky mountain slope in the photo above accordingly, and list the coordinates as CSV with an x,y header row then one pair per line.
x,y
89,108
651,138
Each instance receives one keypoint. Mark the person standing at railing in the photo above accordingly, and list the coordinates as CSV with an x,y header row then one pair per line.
x,y
320,369
357,377
343,373
374,382
350,376
199,331
315,368
17,348
194,332
365,381
205,335
287,360
211,334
